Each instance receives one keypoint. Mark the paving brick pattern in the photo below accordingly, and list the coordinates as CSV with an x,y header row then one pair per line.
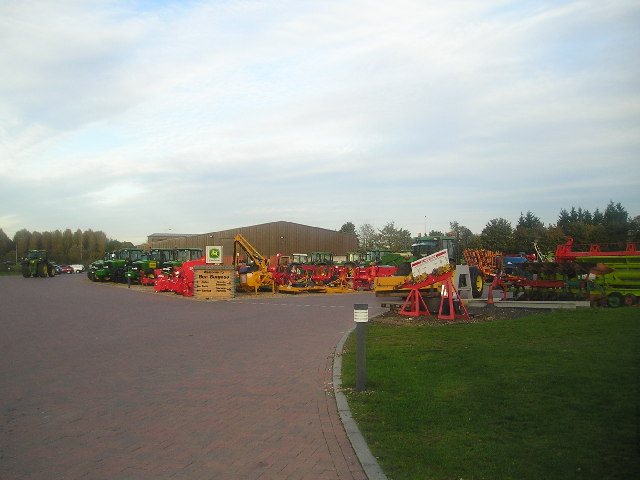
x,y
103,382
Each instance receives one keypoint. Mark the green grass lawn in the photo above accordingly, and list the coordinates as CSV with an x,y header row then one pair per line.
x,y
10,269
551,396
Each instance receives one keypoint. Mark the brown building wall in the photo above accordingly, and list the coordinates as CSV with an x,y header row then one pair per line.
x,y
270,239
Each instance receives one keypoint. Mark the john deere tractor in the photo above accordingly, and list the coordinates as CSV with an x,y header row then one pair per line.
x,y
114,266
36,264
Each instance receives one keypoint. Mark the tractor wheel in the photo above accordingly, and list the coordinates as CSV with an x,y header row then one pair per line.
x,y
614,300
477,284
630,300
42,270
52,271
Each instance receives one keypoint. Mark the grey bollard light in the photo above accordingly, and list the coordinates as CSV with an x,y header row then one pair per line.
x,y
361,317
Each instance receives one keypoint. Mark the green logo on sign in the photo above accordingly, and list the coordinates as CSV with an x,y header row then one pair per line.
x,y
214,253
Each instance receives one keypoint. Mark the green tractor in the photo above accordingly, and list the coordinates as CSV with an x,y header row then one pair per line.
x,y
114,267
177,257
98,265
36,264
143,270
188,254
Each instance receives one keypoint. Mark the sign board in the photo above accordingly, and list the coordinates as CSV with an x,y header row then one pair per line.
x,y
429,263
214,255
214,281
361,312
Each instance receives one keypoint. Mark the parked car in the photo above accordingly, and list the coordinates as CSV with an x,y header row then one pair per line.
x,y
66,269
77,268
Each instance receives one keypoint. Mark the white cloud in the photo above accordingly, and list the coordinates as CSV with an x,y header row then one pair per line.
x,y
252,97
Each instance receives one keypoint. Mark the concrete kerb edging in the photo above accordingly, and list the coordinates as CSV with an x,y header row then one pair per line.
x,y
369,463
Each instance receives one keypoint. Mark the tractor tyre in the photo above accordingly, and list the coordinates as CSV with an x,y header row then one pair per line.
x,y
26,271
52,270
630,300
477,283
42,270
615,300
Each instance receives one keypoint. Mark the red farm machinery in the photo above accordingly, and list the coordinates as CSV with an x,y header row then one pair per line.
x,y
605,275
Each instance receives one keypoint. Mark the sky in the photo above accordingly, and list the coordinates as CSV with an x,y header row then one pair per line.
x,y
141,117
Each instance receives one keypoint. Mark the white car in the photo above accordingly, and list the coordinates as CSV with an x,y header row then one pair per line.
x,y
77,268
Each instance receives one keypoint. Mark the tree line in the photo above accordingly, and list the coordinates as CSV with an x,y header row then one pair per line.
x,y
63,246
613,226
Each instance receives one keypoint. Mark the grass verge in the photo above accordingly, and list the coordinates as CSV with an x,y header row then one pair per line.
x,y
551,396
10,270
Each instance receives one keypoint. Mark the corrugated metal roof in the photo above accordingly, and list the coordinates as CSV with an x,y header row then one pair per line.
x,y
270,238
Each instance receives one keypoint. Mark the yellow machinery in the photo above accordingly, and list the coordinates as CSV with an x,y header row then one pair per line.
x,y
401,285
255,273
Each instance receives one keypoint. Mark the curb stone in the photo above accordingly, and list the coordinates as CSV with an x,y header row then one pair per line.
x,y
369,463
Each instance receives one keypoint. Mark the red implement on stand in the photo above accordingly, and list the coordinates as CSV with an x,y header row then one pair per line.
x,y
415,305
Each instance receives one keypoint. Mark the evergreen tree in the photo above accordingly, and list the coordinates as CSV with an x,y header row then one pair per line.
x,y
529,230
348,228
496,235
394,239
634,230
616,223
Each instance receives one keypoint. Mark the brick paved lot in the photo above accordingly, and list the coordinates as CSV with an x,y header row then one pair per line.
x,y
103,382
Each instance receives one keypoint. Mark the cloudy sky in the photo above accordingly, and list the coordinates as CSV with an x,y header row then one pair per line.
x,y
136,117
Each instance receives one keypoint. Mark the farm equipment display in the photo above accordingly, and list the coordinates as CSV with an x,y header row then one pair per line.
x,y
37,264
180,280
544,281
431,270
484,260
399,283
98,265
600,274
313,279
145,270
115,265
321,258
255,273
364,276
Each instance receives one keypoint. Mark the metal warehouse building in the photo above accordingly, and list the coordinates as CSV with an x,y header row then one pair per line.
x,y
267,238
